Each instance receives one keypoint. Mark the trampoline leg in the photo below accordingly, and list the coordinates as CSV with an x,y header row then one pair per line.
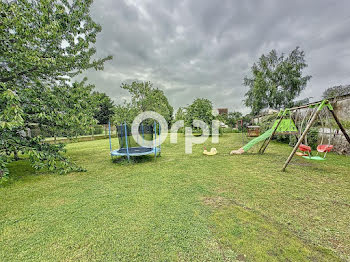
x,y
160,148
155,139
126,141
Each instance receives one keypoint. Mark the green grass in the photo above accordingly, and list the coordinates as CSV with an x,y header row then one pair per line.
x,y
179,207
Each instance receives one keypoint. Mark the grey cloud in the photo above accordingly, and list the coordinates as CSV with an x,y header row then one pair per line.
x,y
204,48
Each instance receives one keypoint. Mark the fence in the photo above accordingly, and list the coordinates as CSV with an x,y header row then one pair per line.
x,y
95,133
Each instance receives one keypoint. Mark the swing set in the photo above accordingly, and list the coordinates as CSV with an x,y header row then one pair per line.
x,y
316,110
306,151
285,124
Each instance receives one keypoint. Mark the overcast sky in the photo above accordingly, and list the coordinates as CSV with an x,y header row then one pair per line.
x,y
204,48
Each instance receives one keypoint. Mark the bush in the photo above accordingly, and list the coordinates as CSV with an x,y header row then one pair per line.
x,y
98,129
293,140
267,122
283,139
230,130
312,137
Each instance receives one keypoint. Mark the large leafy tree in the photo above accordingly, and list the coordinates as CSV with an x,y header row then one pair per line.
x,y
144,97
276,80
43,44
105,108
200,109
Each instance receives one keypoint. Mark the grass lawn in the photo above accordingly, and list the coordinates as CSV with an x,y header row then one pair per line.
x,y
179,207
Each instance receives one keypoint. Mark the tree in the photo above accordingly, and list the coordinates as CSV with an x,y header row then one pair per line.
x,y
63,110
42,45
105,108
223,117
180,114
233,117
125,113
46,40
336,91
275,80
230,118
200,109
144,97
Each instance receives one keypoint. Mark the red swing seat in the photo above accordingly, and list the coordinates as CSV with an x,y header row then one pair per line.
x,y
304,148
324,148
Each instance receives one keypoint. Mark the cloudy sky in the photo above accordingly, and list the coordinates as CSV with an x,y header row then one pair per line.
x,y
204,48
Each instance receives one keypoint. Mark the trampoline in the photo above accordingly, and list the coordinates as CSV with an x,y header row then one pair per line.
x,y
129,147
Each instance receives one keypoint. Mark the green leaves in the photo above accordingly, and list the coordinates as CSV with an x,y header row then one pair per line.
x,y
34,37
230,118
200,109
104,108
144,97
43,43
10,110
47,156
276,80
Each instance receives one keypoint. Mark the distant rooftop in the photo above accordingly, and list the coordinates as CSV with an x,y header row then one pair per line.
x,y
223,111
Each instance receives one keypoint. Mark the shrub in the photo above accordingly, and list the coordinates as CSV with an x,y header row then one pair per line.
x,y
230,130
98,129
312,137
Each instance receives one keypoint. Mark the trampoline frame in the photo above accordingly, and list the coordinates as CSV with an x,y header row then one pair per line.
x,y
130,151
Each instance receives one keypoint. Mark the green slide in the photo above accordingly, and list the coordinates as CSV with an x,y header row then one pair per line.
x,y
260,138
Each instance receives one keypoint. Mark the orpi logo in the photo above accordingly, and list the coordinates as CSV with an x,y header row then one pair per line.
x,y
190,139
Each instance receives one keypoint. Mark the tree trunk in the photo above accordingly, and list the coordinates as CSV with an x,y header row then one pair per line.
x,y
15,155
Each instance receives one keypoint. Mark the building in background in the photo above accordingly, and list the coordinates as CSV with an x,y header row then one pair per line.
x,y
223,111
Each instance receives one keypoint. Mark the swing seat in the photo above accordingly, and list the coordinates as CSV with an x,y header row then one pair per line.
x,y
324,148
317,158
301,154
304,148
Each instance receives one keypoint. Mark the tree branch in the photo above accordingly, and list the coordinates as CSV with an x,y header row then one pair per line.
x,y
9,78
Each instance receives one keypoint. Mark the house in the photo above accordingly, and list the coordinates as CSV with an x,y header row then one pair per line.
x,y
223,111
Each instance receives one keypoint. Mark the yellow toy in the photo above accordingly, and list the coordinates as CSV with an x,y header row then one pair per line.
x,y
212,151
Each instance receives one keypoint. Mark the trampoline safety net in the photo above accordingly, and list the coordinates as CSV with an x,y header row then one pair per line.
x,y
145,131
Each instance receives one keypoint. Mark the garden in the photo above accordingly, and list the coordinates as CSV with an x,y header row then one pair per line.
x,y
76,186
178,207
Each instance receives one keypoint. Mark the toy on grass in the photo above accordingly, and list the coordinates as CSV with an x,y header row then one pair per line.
x,y
212,151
